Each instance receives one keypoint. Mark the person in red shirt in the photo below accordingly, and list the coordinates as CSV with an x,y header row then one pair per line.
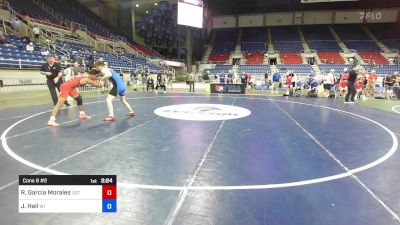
x,y
343,82
69,88
289,81
359,86
370,88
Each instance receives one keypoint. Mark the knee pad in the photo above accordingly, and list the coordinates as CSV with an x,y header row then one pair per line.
x,y
79,100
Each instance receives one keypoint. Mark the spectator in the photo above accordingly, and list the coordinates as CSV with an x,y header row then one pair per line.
x,y
36,33
343,82
134,79
64,60
329,81
359,86
144,75
266,78
169,78
52,71
222,78
389,82
161,83
3,39
150,84
77,69
276,79
91,62
30,47
313,85
244,79
230,77
44,51
370,88
16,24
191,80
289,83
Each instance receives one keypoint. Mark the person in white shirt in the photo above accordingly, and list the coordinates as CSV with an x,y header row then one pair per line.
x,y
36,32
329,81
30,47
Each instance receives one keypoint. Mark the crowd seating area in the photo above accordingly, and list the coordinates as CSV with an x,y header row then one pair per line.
x,y
254,47
291,58
255,35
339,68
255,69
373,58
354,37
385,69
74,45
16,55
31,10
69,12
218,57
320,38
301,69
331,57
226,35
219,69
142,49
254,58
73,14
393,44
254,40
286,39
224,43
388,34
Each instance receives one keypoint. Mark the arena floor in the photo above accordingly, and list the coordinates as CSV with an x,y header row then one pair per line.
x,y
292,161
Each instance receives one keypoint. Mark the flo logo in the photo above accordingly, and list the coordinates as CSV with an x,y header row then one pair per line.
x,y
202,112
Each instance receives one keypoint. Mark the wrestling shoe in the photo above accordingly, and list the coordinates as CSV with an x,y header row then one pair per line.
x,y
84,116
110,118
52,123
131,114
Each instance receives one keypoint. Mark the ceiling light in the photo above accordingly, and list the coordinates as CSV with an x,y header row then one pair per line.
x,y
137,5
147,11
155,3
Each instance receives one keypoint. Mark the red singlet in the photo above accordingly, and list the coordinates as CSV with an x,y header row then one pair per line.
x,y
68,87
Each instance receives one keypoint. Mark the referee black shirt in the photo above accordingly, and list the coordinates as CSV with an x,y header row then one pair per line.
x,y
55,69
352,76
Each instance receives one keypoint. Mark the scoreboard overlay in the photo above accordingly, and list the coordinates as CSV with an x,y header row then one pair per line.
x,y
67,194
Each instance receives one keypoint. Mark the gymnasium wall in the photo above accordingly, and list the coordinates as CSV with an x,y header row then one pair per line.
x,y
307,18
278,19
224,21
251,20
318,17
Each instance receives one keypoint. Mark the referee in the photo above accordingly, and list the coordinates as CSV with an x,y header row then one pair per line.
x,y
53,73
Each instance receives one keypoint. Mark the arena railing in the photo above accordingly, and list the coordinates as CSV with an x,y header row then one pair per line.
x,y
27,85
19,63
45,22
311,51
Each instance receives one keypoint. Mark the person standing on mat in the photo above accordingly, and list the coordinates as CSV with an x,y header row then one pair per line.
x,y
119,88
70,88
351,90
53,73
191,80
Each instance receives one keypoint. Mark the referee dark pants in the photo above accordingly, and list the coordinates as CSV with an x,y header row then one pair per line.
x,y
351,92
52,88
191,86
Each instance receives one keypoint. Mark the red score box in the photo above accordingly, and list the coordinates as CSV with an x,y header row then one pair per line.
x,y
109,191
